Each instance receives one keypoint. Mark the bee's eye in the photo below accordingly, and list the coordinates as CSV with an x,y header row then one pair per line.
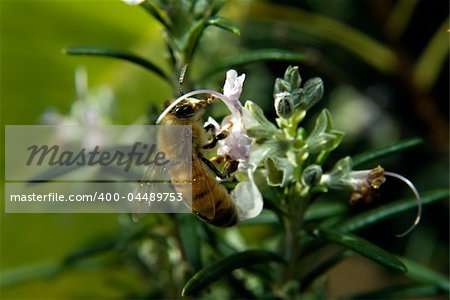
x,y
184,111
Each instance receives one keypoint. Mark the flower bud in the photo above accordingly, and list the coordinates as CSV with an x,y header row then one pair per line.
x,y
292,76
312,175
283,105
312,93
281,86
296,95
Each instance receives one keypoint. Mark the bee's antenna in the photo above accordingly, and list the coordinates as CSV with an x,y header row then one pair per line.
x,y
181,78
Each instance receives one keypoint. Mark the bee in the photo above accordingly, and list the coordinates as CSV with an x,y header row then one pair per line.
x,y
210,200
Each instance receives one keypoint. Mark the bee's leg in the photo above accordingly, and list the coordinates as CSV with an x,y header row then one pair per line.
x,y
230,165
229,168
218,159
210,129
215,139
212,167
223,134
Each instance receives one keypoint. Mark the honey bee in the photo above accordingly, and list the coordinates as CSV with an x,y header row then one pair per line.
x,y
210,200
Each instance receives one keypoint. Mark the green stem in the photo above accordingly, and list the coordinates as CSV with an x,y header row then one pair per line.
x,y
179,60
291,249
293,222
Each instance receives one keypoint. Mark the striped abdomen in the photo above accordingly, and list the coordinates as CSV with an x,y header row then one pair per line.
x,y
210,200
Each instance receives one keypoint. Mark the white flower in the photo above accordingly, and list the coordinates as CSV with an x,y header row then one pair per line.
x,y
364,183
237,145
133,2
247,196
232,89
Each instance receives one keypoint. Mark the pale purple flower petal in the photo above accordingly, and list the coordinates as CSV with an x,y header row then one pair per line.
x,y
248,197
237,143
233,85
232,89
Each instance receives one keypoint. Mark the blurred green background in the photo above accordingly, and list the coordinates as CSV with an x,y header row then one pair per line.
x,y
35,76
385,68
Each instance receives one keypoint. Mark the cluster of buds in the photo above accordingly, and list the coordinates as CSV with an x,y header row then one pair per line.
x,y
289,96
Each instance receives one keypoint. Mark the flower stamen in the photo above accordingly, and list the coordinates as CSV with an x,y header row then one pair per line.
x,y
418,199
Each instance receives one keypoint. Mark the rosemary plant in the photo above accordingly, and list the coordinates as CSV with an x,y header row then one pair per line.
x,y
282,176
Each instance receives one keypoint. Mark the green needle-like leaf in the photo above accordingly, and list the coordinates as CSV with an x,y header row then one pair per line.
x,y
376,154
362,247
374,216
400,16
433,58
321,210
192,38
226,265
224,24
253,57
159,15
124,55
383,212
90,250
326,29
426,275
187,226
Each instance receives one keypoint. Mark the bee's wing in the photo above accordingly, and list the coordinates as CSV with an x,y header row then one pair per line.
x,y
151,182
203,201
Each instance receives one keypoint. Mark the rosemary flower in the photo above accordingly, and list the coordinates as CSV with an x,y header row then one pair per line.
x,y
364,183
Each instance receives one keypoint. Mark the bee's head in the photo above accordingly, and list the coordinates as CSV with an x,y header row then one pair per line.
x,y
189,108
